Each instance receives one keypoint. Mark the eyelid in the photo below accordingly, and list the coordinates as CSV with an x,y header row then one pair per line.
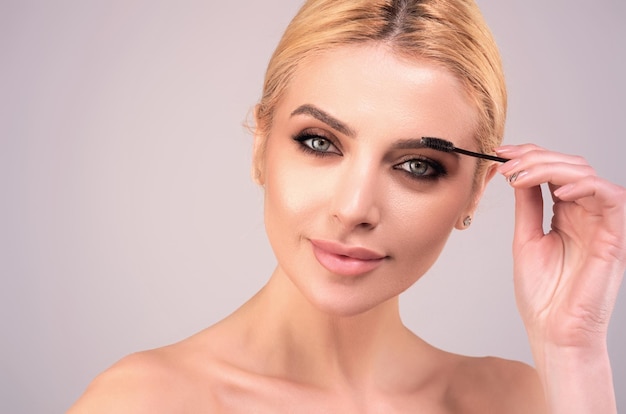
x,y
311,133
438,167
321,132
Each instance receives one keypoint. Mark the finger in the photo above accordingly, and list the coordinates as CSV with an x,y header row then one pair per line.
x,y
516,149
609,194
595,194
531,151
555,173
528,215
528,159
553,188
523,157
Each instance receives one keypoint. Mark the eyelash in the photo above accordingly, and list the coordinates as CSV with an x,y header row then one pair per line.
x,y
305,136
305,140
438,169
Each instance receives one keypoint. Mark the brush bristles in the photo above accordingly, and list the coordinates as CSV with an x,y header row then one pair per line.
x,y
437,144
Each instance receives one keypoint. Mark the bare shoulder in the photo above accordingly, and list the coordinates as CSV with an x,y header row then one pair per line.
x,y
155,381
491,384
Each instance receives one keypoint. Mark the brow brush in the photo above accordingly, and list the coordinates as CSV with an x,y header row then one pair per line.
x,y
446,146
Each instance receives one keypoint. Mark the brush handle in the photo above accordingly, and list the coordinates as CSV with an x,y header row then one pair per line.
x,y
480,155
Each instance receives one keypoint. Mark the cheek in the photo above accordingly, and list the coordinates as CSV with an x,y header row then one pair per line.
x,y
422,224
289,194
293,197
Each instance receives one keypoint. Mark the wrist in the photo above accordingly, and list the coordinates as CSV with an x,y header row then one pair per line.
x,y
576,379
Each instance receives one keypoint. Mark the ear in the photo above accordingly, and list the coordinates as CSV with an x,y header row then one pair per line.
x,y
258,150
479,190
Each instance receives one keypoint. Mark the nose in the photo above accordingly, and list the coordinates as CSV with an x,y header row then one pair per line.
x,y
355,200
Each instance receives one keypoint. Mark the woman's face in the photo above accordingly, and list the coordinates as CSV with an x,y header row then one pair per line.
x,y
355,209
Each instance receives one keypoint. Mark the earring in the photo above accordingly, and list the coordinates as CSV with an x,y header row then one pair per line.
x,y
467,221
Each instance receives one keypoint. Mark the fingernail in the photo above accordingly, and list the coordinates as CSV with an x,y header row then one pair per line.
x,y
503,149
561,191
516,176
508,166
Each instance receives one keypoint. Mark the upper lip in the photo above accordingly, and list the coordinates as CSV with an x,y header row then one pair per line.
x,y
340,249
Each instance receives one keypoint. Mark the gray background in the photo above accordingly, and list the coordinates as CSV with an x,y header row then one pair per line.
x,y
128,219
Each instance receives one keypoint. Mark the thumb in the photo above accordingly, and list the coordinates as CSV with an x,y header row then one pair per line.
x,y
528,215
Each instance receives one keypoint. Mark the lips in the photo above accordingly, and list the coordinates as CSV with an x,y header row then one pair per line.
x,y
346,260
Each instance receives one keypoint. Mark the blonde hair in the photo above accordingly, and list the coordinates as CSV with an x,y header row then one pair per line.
x,y
451,33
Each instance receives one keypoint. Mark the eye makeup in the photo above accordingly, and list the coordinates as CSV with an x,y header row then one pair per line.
x,y
446,146
416,167
422,168
316,143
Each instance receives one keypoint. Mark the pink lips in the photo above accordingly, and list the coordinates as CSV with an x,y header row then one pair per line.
x,y
346,260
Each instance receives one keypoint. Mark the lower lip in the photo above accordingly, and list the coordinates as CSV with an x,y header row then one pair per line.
x,y
344,265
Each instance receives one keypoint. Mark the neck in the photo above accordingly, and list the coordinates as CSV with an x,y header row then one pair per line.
x,y
302,343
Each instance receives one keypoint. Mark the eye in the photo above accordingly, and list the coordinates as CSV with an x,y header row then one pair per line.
x,y
316,144
422,168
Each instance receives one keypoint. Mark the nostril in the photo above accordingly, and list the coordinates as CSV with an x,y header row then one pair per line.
x,y
354,203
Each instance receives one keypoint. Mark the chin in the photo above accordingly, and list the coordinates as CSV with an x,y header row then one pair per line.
x,y
347,301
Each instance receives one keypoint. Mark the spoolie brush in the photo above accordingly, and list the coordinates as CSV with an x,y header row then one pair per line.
x,y
446,146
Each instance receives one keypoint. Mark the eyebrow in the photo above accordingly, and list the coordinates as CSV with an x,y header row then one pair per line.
x,y
317,113
321,115
416,143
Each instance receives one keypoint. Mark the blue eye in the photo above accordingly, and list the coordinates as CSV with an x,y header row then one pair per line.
x,y
316,144
422,168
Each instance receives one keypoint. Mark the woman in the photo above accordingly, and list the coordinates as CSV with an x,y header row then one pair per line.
x,y
357,210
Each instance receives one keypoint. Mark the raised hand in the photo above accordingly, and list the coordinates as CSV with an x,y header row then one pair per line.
x,y
566,279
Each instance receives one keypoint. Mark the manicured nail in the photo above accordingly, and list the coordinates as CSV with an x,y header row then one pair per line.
x,y
561,191
516,176
508,166
504,149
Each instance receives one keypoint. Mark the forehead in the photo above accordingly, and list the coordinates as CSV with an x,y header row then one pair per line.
x,y
375,91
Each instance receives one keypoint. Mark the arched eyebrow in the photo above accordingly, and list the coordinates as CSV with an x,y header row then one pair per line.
x,y
337,125
415,143
319,114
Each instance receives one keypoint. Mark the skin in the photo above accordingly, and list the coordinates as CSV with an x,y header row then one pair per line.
x,y
566,281
325,334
